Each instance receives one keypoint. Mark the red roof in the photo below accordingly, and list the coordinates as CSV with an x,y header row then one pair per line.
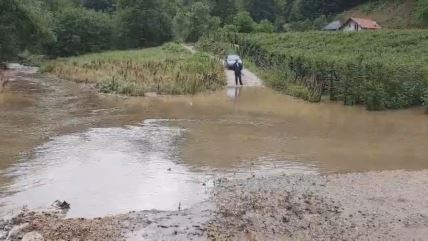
x,y
366,23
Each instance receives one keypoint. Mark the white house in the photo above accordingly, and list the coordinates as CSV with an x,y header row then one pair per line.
x,y
359,24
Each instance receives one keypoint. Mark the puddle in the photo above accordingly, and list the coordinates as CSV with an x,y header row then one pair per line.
x,y
107,171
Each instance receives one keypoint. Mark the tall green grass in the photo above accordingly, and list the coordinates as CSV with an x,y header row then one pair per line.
x,y
169,69
381,70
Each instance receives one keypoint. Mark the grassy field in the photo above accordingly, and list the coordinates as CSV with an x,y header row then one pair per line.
x,y
390,14
382,70
169,69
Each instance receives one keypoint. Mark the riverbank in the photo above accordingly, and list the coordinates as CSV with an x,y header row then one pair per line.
x,y
362,206
166,70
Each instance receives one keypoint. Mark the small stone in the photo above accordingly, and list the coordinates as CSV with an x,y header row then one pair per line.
x,y
285,220
17,230
3,235
33,236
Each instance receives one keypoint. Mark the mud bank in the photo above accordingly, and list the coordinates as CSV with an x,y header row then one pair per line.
x,y
367,206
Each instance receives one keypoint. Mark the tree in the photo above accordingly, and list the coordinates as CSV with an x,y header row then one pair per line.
x,y
99,5
189,25
320,22
422,11
201,21
181,26
230,28
224,9
80,30
265,26
141,23
260,9
243,22
24,24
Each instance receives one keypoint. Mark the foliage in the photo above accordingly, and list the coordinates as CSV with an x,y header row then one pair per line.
x,y
99,5
260,10
181,26
265,26
165,70
422,11
141,23
189,25
79,31
71,27
243,22
390,72
24,24
225,10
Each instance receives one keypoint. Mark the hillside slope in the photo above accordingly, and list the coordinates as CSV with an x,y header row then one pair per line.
x,y
391,14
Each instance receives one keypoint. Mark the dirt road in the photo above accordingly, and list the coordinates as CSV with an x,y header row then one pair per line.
x,y
249,79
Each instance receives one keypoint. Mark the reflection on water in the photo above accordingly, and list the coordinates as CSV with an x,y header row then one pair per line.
x,y
233,92
107,171
113,164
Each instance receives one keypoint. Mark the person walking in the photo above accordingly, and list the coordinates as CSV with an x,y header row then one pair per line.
x,y
237,68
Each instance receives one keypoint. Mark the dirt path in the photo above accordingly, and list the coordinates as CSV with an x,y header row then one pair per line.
x,y
249,79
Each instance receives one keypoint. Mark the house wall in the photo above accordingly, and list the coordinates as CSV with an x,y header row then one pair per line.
x,y
351,27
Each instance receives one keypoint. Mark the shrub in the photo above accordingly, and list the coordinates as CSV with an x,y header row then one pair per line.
x,y
80,31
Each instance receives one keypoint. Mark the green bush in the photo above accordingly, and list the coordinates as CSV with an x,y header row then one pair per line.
x,y
80,31
422,11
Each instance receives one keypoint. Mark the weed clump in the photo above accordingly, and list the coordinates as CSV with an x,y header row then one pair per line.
x,y
170,70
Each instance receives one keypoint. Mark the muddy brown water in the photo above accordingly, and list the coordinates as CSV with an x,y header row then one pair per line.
x,y
108,154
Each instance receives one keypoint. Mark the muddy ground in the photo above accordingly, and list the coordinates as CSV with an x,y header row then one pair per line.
x,y
368,206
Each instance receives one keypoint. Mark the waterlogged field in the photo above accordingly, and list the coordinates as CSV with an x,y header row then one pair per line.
x,y
381,70
169,69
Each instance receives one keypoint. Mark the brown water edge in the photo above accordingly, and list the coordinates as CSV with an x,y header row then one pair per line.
x,y
224,130
229,130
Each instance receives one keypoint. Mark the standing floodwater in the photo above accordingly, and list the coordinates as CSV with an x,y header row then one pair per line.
x,y
107,171
108,154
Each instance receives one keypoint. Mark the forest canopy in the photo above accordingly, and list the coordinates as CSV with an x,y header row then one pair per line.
x,y
72,27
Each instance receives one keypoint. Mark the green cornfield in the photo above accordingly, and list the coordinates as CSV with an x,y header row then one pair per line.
x,y
381,70
169,70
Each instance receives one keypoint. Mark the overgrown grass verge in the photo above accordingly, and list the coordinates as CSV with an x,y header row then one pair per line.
x,y
381,70
168,70
274,79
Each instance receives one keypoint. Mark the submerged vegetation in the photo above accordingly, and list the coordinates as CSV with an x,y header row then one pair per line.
x,y
381,70
169,69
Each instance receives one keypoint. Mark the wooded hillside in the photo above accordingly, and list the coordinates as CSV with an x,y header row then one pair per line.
x,y
73,27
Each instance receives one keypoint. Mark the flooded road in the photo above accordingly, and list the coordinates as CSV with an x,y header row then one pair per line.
x,y
108,154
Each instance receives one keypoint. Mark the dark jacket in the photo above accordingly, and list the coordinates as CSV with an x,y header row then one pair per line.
x,y
237,67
